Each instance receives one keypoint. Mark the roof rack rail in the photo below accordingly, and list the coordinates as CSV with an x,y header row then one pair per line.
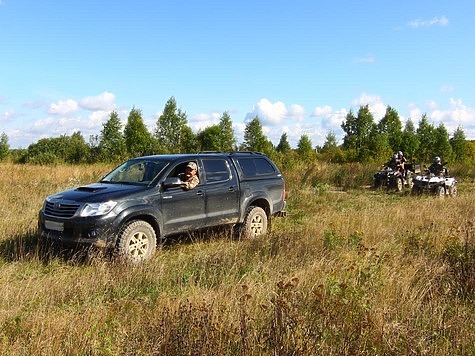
x,y
233,152
248,152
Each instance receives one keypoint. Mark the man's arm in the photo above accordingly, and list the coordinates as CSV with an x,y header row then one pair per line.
x,y
190,184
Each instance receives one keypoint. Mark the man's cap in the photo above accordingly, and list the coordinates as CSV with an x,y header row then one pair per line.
x,y
192,165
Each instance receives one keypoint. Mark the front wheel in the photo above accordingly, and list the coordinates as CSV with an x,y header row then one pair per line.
x,y
409,181
377,183
399,184
137,242
255,223
416,190
453,191
440,192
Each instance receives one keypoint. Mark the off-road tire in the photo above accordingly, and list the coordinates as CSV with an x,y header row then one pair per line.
x,y
377,183
399,185
255,223
453,191
440,192
137,242
416,191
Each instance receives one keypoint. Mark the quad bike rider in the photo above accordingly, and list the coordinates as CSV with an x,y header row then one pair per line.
x,y
397,177
436,181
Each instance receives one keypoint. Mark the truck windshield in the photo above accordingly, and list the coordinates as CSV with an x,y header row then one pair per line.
x,y
140,172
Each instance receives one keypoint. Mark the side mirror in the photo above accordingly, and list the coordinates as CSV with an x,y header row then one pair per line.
x,y
172,182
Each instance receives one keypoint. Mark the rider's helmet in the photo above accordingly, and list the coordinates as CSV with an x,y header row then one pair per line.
x,y
400,154
437,160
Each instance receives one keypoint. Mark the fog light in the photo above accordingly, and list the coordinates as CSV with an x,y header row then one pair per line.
x,y
92,233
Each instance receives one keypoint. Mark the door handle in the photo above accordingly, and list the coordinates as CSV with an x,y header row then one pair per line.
x,y
231,189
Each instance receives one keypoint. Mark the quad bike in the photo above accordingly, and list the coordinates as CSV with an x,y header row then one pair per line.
x,y
381,177
437,185
399,179
396,180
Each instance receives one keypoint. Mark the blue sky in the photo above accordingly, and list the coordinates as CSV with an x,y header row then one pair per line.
x,y
300,66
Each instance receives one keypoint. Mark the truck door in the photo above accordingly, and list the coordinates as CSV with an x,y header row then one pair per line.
x,y
222,192
183,210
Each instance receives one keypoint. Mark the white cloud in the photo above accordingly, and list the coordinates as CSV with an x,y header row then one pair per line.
x,y
65,107
104,101
334,120
375,105
322,111
446,88
296,112
96,119
239,128
273,114
8,115
458,115
268,113
313,127
431,105
52,126
33,104
330,120
435,21
212,118
201,121
42,125
21,138
415,114
367,59
276,119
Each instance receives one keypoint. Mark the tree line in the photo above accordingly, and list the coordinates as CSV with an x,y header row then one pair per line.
x,y
365,140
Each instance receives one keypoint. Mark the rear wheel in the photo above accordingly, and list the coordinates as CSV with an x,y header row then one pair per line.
x,y
255,223
137,242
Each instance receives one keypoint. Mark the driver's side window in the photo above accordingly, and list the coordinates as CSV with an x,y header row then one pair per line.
x,y
177,170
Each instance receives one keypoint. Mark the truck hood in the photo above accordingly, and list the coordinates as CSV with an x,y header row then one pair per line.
x,y
98,192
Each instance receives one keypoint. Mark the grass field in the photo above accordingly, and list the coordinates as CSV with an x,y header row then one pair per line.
x,y
349,271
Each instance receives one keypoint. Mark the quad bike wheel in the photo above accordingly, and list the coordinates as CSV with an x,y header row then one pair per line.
x,y
399,185
416,190
440,192
453,191
377,183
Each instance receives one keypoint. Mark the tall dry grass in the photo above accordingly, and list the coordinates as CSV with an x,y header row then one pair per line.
x,y
347,272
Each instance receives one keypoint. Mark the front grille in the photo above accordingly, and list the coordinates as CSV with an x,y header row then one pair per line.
x,y
60,209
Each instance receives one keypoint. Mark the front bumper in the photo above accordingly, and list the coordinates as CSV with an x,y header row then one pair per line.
x,y
98,231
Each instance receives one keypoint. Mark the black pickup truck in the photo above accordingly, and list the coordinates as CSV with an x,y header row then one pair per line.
x,y
142,201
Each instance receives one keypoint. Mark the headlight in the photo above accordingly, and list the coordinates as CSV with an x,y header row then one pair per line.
x,y
97,209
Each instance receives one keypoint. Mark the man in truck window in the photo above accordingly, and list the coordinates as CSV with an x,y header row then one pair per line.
x,y
189,177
